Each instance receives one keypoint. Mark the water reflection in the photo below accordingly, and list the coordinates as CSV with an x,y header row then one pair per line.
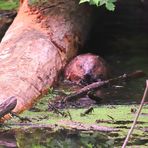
x,y
7,139
45,138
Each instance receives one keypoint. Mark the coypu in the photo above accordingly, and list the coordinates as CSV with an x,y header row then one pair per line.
x,y
86,68
83,69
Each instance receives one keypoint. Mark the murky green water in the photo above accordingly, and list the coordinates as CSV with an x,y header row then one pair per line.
x,y
122,39
45,138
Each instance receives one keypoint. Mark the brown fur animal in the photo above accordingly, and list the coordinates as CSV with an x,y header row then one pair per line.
x,y
86,68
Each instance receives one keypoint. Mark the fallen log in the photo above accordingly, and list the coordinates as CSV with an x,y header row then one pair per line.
x,y
7,106
43,37
96,85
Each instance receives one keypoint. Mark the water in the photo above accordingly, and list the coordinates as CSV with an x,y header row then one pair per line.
x,y
45,138
121,38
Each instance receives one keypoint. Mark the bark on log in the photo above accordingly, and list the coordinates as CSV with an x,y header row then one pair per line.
x,y
7,106
36,47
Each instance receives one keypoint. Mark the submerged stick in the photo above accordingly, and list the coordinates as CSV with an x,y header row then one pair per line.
x,y
21,118
57,111
7,106
137,115
88,111
96,85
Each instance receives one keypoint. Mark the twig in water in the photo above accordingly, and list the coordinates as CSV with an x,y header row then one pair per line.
x,y
96,85
63,114
21,118
137,115
69,115
111,117
88,111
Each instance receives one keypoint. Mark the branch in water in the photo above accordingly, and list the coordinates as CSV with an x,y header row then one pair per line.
x,y
96,85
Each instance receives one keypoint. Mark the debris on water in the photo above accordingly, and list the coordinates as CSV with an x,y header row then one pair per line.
x,y
81,103
88,111
145,129
57,111
111,117
133,110
104,121
117,86
86,127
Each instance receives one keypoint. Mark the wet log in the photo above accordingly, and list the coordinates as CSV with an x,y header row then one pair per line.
x,y
7,106
36,47
6,18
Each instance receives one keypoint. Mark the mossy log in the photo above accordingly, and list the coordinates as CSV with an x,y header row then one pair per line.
x,y
38,44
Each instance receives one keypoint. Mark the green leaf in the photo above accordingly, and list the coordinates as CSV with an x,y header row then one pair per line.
x,y
94,2
83,1
112,1
102,2
110,6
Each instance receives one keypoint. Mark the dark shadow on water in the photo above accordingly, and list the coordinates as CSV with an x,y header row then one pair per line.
x,y
45,138
7,139
121,38
6,18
